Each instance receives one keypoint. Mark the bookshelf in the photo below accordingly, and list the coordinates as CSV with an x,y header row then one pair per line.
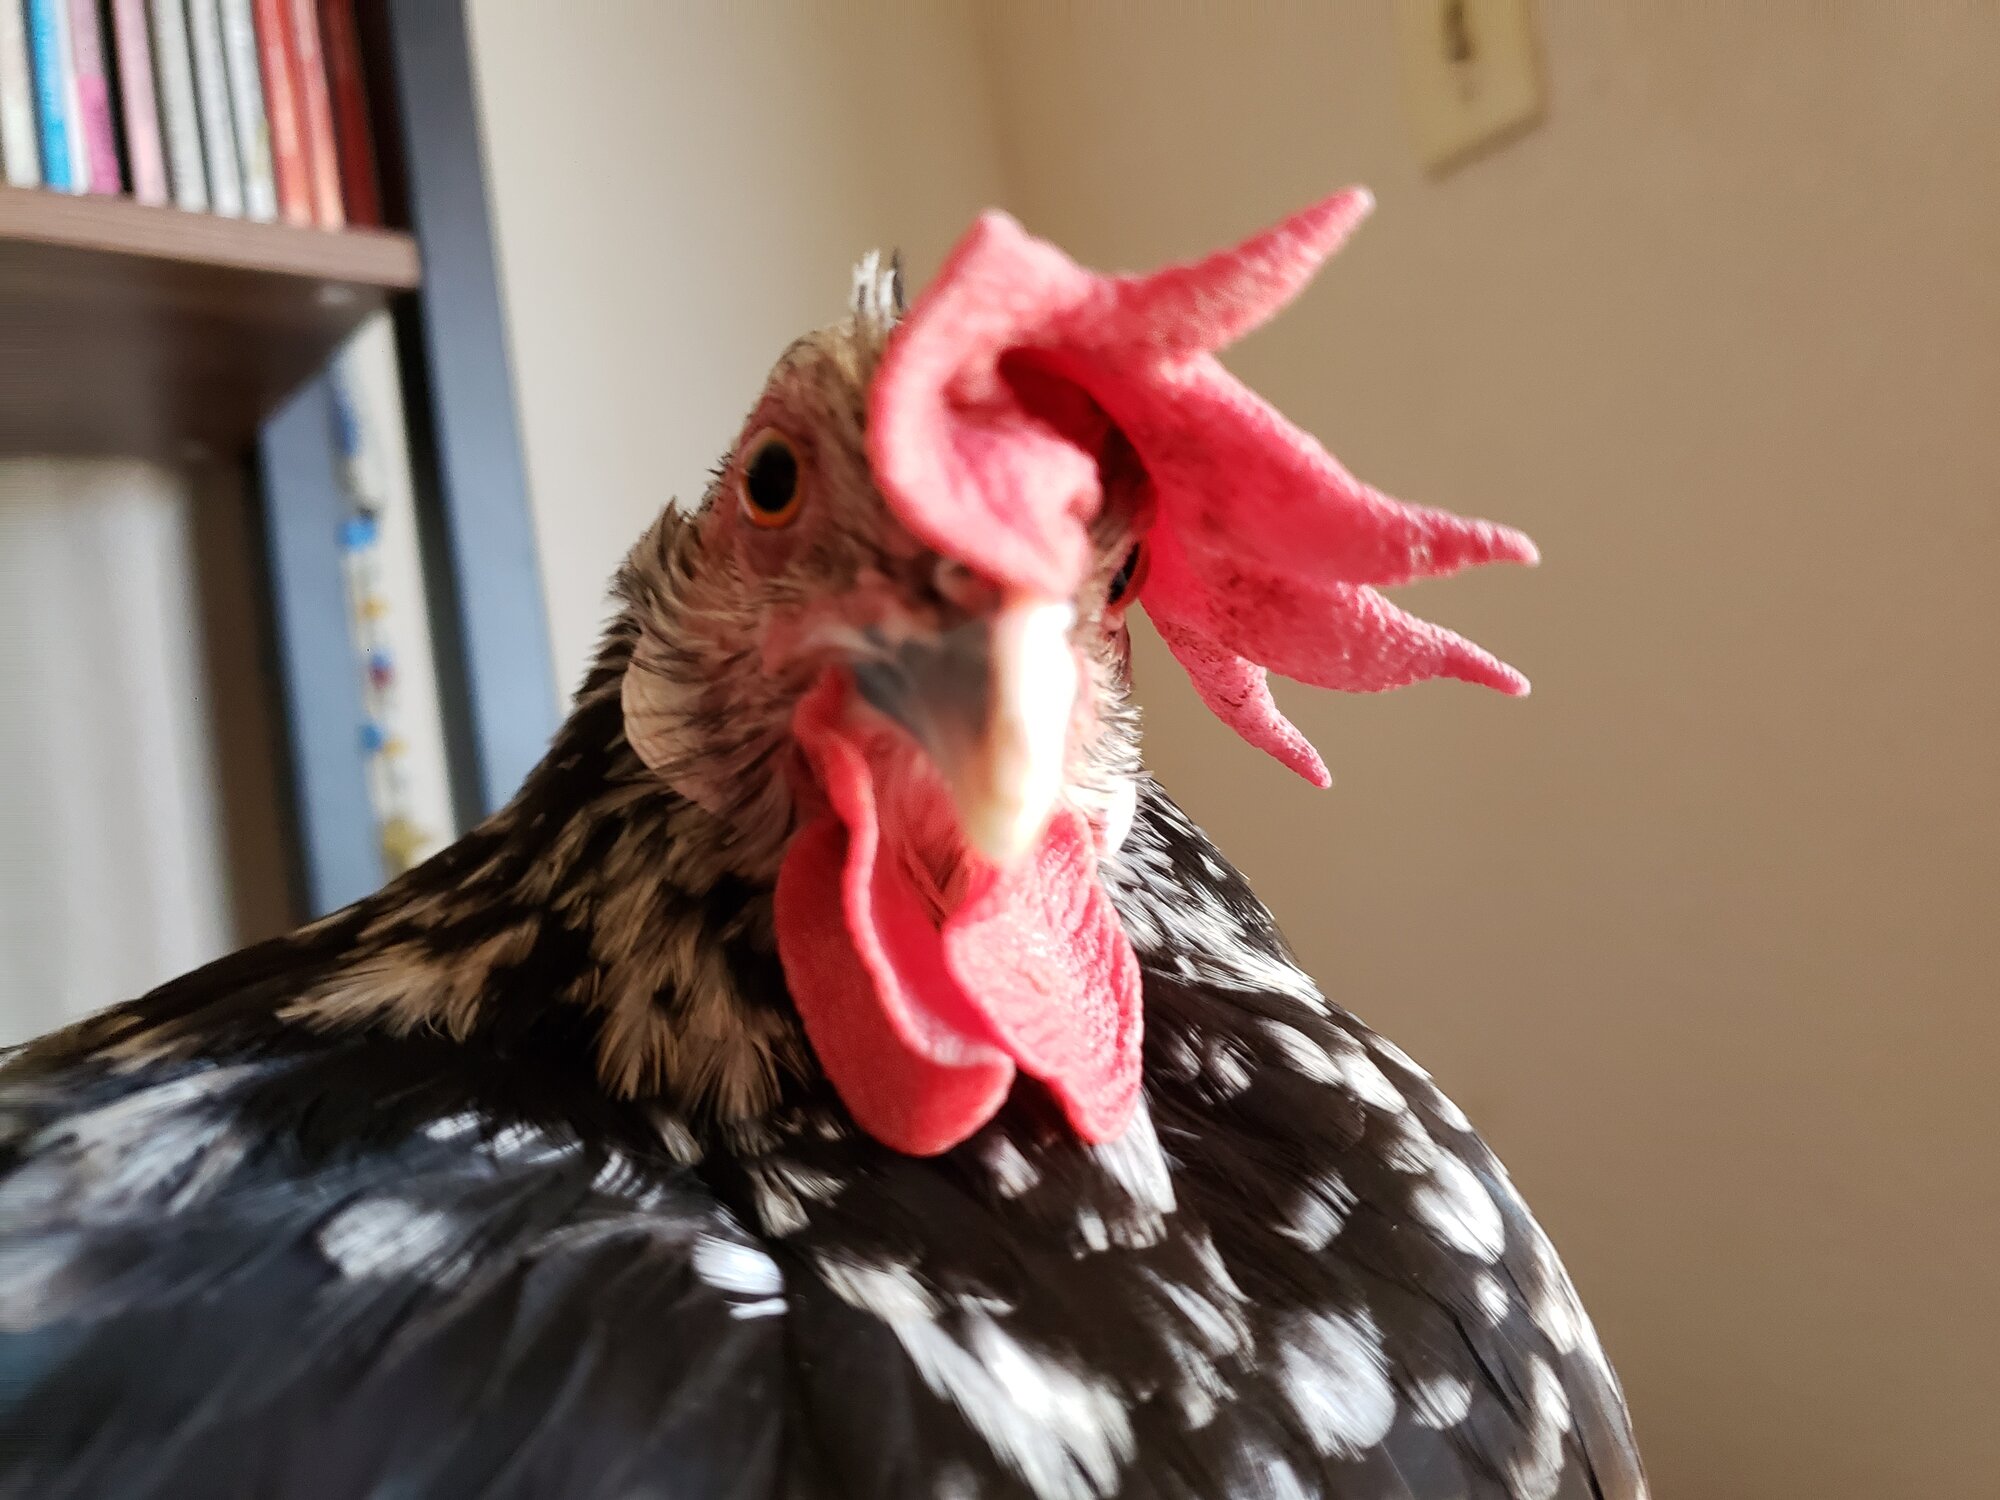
x,y
135,331
141,331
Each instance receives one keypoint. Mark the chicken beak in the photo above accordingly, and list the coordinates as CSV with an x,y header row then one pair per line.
x,y
990,702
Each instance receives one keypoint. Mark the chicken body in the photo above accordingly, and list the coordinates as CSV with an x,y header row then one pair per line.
x,y
522,1178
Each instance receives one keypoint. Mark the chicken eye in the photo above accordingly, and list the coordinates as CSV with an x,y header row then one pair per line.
x,y
770,487
1125,582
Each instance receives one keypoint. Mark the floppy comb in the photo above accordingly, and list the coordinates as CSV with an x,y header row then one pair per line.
x,y
1002,412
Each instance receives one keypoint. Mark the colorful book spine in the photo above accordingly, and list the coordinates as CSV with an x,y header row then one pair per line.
x,y
218,126
93,96
246,105
140,106
45,37
280,69
20,148
173,71
79,149
316,113
340,39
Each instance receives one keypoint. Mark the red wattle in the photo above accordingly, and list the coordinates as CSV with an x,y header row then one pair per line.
x,y
1041,954
920,1022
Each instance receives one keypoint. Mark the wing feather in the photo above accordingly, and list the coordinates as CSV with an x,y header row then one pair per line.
x,y
1338,1181
484,1311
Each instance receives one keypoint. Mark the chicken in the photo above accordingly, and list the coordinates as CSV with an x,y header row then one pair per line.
x,y
841,1070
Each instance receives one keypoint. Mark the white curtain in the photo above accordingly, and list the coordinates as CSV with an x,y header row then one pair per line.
x,y
111,859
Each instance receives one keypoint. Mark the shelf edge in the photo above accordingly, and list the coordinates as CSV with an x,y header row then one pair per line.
x,y
118,226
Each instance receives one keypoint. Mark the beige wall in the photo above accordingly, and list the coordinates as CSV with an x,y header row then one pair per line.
x,y
1702,932
680,191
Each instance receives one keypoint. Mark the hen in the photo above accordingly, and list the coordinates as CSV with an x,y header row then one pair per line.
x,y
841,1070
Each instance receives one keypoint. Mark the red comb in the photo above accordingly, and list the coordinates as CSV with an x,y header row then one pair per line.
x,y
1266,552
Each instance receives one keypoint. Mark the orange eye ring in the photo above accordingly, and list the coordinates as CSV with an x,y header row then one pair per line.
x,y
770,487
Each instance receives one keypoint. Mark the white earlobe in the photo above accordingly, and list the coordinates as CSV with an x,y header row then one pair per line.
x,y
654,715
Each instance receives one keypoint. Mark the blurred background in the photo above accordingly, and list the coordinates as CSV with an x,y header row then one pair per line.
x,y
1703,934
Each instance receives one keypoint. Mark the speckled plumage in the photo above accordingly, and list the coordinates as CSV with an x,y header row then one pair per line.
x,y
518,1179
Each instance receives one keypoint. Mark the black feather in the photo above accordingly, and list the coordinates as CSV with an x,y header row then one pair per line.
x,y
240,1256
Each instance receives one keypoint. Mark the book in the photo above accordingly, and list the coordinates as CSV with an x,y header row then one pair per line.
x,y
211,90
20,145
340,41
79,148
173,73
45,40
316,113
139,105
93,97
280,68
246,108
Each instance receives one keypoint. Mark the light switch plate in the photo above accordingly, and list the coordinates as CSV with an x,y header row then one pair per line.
x,y
1471,75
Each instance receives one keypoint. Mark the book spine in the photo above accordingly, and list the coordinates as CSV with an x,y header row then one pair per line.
x,y
143,151
72,110
316,113
246,102
20,145
281,108
173,71
340,40
218,128
93,96
51,97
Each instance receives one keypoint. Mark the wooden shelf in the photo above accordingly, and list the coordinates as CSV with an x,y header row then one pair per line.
x,y
156,333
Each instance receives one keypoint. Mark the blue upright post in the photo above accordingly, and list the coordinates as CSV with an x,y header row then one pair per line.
x,y
490,628
304,506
